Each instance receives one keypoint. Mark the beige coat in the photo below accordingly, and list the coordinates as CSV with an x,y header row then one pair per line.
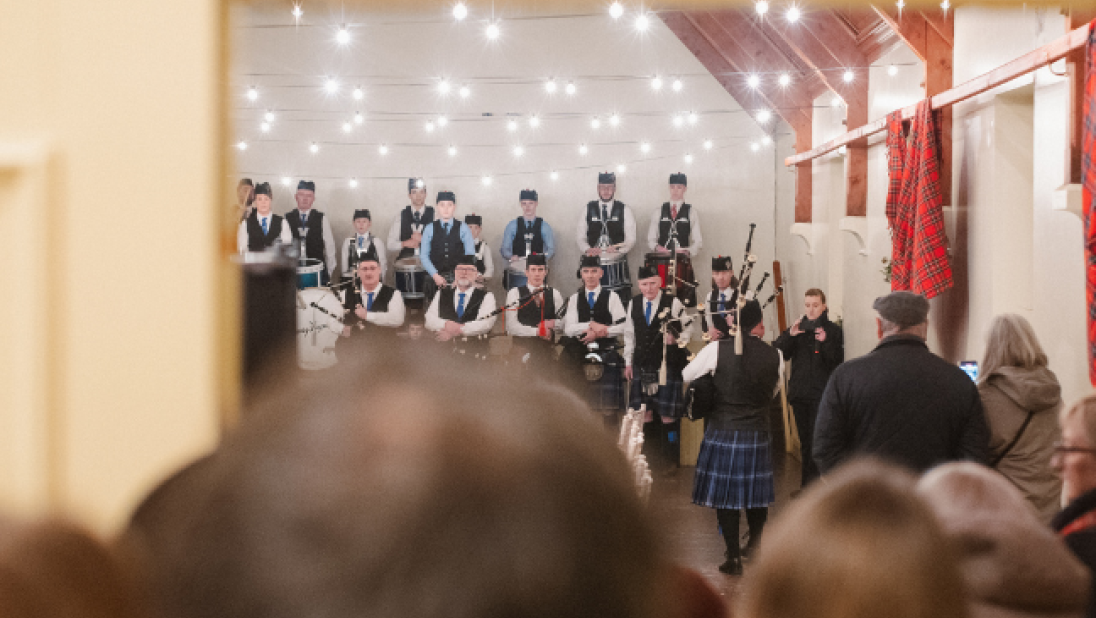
x,y
1007,396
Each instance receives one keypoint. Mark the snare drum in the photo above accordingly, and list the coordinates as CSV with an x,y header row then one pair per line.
x,y
308,273
615,271
514,276
685,278
318,328
410,277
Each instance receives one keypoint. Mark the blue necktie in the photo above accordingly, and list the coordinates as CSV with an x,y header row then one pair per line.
x,y
361,242
590,299
304,220
460,307
722,303
647,314
369,302
265,228
446,226
604,213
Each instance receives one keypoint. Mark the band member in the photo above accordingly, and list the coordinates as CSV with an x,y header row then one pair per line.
x,y
373,309
533,318
361,244
595,315
608,229
676,226
445,242
312,229
656,324
245,196
461,310
405,236
734,470
484,263
528,234
262,228
718,313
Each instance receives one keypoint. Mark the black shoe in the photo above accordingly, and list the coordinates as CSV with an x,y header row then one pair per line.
x,y
733,566
748,552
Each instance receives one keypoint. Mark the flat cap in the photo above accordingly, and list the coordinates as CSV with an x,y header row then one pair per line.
x,y
903,309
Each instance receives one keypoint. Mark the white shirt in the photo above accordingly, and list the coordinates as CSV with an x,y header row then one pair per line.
x,y
394,242
478,327
393,317
677,311
329,246
484,254
516,328
696,240
285,237
707,359
629,228
573,328
370,239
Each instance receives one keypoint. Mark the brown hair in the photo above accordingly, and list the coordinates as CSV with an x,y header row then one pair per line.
x,y
818,293
860,545
1011,342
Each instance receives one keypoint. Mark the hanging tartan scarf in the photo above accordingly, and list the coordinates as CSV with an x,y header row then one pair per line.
x,y
897,219
1088,171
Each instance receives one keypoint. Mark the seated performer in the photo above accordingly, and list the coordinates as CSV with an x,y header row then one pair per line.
x,y
676,228
361,244
262,228
645,345
405,236
528,234
373,311
313,230
717,315
533,318
608,229
596,315
460,311
484,264
444,242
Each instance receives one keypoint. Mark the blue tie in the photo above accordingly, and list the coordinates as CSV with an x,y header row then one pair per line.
x,y
460,307
647,314
722,302
369,302
361,241
265,229
590,299
304,220
446,226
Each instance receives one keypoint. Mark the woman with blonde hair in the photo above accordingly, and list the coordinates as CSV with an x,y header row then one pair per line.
x,y
1021,398
861,545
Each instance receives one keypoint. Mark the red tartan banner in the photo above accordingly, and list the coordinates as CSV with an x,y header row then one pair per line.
x,y
1088,142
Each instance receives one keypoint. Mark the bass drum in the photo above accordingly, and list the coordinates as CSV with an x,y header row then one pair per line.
x,y
319,326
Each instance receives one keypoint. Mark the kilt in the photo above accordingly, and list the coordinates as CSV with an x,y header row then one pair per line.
x,y
669,402
734,470
607,394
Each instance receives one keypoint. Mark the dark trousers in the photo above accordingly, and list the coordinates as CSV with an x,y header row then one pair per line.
x,y
662,443
728,524
806,411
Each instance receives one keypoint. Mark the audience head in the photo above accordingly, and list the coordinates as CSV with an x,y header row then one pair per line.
x,y
245,191
902,313
858,545
1011,342
814,302
1075,457
1012,564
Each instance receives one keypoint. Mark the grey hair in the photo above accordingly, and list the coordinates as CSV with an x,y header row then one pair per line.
x,y
1011,342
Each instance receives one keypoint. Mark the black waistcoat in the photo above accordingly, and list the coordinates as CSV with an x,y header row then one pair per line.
x,y
648,351
615,224
529,313
600,312
406,221
535,240
744,385
446,251
447,307
481,266
684,226
256,241
313,240
720,321
353,256
372,334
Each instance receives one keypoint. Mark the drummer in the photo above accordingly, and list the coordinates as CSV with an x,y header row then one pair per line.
x,y
675,228
361,244
312,230
262,228
373,310
461,310
444,242
528,234
608,230
405,235
722,300
596,316
484,263
533,318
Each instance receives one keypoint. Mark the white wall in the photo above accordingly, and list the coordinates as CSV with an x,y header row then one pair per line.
x,y
731,185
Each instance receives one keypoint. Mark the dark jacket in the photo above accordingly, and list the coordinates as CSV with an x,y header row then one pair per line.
x,y
1081,542
745,385
903,403
812,361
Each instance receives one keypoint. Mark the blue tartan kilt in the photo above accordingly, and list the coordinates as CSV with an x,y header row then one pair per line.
x,y
607,394
670,400
734,470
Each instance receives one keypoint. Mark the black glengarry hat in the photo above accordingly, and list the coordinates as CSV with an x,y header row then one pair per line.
x,y
590,261
606,178
473,219
722,263
679,179
447,196
537,259
467,260
263,188
362,213
529,194
646,272
306,185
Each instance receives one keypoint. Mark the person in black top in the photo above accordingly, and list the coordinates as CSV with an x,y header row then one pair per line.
x,y
313,230
718,312
815,346
484,263
262,228
405,235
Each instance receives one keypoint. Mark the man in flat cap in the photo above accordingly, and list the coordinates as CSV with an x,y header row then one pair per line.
x,y
374,311
459,312
608,230
485,264
312,229
262,228
405,236
532,322
675,228
528,234
444,243
363,243
900,401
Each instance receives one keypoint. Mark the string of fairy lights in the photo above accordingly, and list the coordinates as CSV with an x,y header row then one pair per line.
x,y
355,88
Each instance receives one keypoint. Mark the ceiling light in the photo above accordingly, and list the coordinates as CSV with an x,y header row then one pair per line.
x,y
332,85
679,120
314,147
677,85
512,125
452,151
252,93
656,83
849,76
460,11
753,81
892,70
343,36
359,94
688,158
297,12
571,88
550,86
616,10
645,147
554,175
442,121
643,23
762,7
708,144
945,4
347,127
353,183
793,14
268,116
383,149
518,151
492,31
286,180
583,149
900,4
784,79
265,127
614,120
486,180
836,102
595,123
764,116
622,168
534,121
429,126
242,145
465,92
766,140
755,147
443,86
693,118
358,118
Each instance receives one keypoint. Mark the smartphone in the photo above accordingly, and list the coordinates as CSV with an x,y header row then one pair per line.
x,y
971,367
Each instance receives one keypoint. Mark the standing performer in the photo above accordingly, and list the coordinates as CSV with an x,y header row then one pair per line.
x,y
654,361
734,470
245,196
312,230
675,228
484,263
405,236
608,230
373,310
445,242
528,234
596,315
718,314
533,323
459,311
262,228
361,244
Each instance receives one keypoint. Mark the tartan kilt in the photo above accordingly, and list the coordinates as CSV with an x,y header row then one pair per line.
x,y
669,402
607,394
734,470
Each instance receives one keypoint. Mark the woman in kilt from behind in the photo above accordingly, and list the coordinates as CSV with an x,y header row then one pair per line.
x,y
734,471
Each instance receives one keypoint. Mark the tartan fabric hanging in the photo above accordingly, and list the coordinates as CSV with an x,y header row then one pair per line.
x,y
1088,171
897,219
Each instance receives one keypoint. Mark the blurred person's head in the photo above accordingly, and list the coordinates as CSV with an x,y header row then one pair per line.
x,y
264,198
1075,457
1011,342
306,195
245,191
814,302
902,313
859,545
